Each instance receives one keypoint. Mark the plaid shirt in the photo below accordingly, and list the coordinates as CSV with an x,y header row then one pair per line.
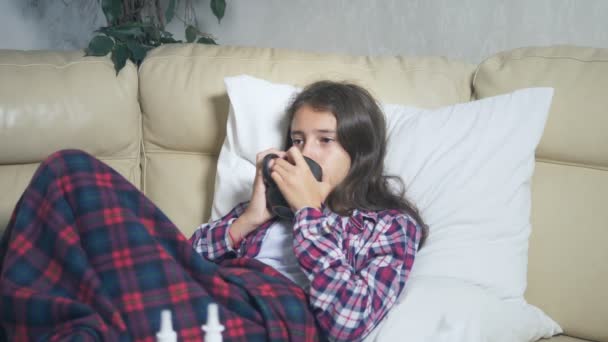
x,y
357,265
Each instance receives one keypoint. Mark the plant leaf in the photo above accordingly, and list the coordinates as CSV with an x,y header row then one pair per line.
x,y
169,40
170,12
99,46
206,40
191,33
138,51
124,32
106,7
152,33
218,7
120,54
112,9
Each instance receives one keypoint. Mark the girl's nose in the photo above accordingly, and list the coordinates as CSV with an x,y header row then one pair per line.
x,y
308,150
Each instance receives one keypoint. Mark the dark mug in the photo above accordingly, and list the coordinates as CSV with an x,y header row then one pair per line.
x,y
275,202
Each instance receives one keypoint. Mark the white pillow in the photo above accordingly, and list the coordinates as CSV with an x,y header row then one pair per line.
x,y
467,167
437,309
256,122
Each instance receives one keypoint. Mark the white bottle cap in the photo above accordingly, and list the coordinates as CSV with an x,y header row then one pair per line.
x,y
166,332
213,317
213,329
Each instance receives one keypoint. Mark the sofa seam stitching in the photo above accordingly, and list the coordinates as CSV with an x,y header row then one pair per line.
x,y
578,165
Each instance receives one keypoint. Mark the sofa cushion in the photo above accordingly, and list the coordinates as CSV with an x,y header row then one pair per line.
x,y
55,100
185,106
567,272
576,129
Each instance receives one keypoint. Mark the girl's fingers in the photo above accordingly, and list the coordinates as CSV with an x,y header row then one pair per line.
x,y
282,163
280,169
278,179
296,155
260,156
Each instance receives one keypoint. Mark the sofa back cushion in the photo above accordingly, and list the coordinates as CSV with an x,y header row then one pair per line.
x,y
185,105
56,100
568,268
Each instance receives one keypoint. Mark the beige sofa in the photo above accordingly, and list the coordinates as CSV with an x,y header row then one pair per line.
x,y
162,127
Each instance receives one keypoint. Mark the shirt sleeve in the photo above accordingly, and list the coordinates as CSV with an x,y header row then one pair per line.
x,y
347,302
211,239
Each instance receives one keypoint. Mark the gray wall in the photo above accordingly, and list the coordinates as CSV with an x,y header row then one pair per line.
x,y
48,24
465,29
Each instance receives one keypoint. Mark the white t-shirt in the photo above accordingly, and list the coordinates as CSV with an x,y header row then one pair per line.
x,y
277,251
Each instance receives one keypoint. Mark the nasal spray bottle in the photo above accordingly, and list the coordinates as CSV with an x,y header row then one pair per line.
x,y
166,332
213,329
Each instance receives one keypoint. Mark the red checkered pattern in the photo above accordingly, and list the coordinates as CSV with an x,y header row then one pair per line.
x,y
87,257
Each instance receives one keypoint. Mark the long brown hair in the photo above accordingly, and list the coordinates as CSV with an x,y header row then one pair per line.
x,y
362,133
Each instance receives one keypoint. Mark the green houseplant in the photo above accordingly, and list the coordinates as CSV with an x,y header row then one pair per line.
x,y
137,26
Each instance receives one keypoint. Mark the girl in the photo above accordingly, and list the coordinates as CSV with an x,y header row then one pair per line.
x,y
87,256
353,241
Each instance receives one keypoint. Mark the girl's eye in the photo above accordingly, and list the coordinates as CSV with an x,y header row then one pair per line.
x,y
296,141
326,140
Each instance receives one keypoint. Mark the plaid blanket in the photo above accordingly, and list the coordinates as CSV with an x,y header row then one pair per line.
x,y
88,257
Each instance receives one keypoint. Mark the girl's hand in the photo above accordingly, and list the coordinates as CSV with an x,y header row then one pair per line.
x,y
297,183
256,212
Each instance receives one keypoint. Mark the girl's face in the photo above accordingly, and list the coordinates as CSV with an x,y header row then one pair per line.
x,y
314,133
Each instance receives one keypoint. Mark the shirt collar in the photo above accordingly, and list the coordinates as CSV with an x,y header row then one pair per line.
x,y
371,215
